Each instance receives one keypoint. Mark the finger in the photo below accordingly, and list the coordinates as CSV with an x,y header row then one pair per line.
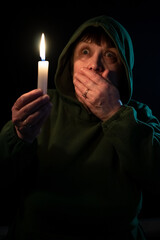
x,y
95,77
84,80
43,113
82,87
85,101
27,98
18,116
92,75
89,93
79,95
31,123
33,106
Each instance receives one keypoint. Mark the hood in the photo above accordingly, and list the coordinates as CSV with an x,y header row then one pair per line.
x,y
122,41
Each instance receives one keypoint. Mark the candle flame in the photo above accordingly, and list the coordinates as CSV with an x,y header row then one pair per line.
x,y
42,47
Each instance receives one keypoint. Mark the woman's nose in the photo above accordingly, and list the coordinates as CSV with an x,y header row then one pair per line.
x,y
96,64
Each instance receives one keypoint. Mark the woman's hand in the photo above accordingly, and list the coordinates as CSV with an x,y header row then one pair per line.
x,y
97,93
29,113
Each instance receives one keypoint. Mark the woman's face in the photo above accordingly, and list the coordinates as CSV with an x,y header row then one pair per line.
x,y
102,58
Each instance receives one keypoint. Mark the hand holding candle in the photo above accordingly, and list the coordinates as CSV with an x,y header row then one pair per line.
x,y
43,67
29,113
32,109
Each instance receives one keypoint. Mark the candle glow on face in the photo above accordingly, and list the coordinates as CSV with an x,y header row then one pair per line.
x,y
43,67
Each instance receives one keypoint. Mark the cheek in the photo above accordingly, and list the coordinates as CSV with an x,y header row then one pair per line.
x,y
115,74
77,65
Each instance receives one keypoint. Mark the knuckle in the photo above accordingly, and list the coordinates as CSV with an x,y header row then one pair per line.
x,y
97,98
98,94
94,100
20,101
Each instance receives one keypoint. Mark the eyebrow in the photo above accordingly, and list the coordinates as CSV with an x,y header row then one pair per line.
x,y
86,42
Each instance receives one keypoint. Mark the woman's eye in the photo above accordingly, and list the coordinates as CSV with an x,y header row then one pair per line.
x,y
111,57
85,51
110,54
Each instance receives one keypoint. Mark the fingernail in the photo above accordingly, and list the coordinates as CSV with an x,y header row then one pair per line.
x,y
46,97
39,90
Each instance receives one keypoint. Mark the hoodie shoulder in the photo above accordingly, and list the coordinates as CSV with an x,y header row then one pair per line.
x,y
144,113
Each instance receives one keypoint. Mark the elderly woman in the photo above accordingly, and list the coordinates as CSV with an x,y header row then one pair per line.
x,y
81,156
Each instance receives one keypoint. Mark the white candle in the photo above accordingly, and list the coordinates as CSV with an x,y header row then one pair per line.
x,y
43,67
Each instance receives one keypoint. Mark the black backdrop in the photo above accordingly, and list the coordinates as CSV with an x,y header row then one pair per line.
x,y
21,29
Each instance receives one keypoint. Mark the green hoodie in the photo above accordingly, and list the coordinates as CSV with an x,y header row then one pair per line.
x,y
84,177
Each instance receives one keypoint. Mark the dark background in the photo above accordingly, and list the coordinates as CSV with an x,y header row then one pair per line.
x,y
21,29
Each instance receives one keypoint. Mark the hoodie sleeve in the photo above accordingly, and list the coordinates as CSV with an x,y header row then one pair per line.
x,y
17,158
135,135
